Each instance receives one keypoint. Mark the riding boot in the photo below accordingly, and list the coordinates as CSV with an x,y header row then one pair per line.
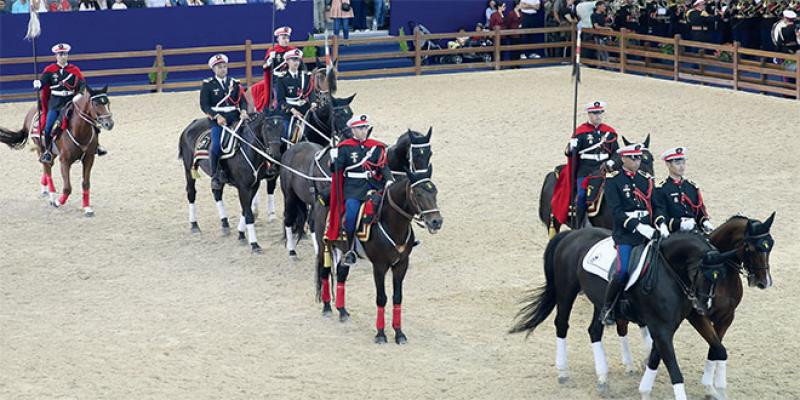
x,y
47,156
350,256
613,291
580,216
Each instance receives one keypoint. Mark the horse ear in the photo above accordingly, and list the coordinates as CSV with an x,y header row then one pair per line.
x,y
349,100
430,132
625,140
647,142
768,223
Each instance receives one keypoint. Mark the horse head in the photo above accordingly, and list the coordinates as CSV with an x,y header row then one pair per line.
x,y
419,150
422,196
339,113
99,108
647,156
754,252
269,128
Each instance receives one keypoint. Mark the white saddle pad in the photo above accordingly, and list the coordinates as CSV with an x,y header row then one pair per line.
x,y
600,259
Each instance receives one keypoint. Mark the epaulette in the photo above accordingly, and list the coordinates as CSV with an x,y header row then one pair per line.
x,y
692,183
612,174
645,174
207,80
663,182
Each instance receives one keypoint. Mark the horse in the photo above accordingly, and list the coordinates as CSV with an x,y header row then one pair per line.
x,y
412,150
661,299
78,141
603,218
261,135
388,246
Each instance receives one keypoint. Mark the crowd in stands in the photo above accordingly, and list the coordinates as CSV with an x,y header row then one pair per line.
x,y
23,6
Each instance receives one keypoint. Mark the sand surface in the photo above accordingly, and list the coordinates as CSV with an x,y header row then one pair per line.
x,y
130,305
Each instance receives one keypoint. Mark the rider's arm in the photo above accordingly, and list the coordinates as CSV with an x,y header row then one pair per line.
x,y
614,199
205,101
659,206
280,93
339,163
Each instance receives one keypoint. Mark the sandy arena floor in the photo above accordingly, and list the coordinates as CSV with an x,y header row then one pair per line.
x,y
130,305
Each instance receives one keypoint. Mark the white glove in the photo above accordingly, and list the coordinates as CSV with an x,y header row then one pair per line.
x,y
37,84
270,59
664,230
708,226
573,143
77,97
687,224
334,153
610,164
645,230
603,156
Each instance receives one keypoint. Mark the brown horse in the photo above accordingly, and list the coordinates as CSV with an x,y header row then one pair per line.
x,y
78,142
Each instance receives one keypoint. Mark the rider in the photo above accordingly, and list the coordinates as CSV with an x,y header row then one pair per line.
x,y
293,88
679,198
629,194
60,83
593,144
222,100
274,61
359,165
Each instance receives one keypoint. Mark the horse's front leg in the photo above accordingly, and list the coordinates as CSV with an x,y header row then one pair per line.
x,y
398,274
379,274
223,215
625,345
245,200
66,165
87,162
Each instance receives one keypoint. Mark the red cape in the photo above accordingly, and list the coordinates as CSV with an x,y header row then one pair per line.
x,y
45,95
265,91
337,197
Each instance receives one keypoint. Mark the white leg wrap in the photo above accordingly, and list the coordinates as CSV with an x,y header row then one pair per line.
x,y
241,224
291,240
708,373
192,212
251,233
561,353
648,379
316,245
721,376
271,203
256,201
648,341
679,391
44,189
53,198
600,363
627,357
221,209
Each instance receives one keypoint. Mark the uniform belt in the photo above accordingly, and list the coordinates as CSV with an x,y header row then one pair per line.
x,y
360,175
62,93
223,109
699,28
596,157
637,214
296,102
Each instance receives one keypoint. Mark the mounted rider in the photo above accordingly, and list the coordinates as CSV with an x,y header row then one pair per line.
x,y
680,199
629,193
591,146
222,100
275,65
60,83
293,89
359,165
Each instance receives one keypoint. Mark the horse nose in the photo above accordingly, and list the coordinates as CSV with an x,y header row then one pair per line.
x,y
436,223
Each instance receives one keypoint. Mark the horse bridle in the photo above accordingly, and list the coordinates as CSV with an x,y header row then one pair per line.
x,y
411,165
418,212
95,120
743,266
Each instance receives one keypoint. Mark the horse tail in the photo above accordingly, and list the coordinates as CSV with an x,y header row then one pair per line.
x,y
14,139
540,301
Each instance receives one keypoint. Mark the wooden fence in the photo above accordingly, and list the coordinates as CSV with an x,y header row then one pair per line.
x,y
627,53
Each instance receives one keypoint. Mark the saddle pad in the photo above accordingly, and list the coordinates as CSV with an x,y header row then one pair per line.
x,y
203,142
599,260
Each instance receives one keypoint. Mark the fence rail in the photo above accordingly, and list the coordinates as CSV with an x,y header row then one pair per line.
x,y
676,58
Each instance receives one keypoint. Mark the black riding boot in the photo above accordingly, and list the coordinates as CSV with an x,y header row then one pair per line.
x,y
350,257
613,291
217,177
47,156
580,217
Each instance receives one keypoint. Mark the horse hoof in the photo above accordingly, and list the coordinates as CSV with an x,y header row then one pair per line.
x,y
242,238
293,255
602,389
195,228
89,213
44,194
630,370
380,338
720,394
400,337
327,312
563,380
344,316
645,395
255,248
226,227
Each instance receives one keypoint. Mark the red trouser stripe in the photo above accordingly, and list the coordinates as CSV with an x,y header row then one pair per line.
x,y
380,323
339,294
396,317
326,290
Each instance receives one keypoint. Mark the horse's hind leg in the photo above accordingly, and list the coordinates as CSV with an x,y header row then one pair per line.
x,y
271,185
649,376
398,274
246,199
223,215
564,303
716,354
47,178
600,362
87,162
625,345
379,274
191,195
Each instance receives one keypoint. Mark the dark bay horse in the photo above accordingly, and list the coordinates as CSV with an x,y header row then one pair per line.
x,y
78,142
603,219
412,151
244,170
389,245
660,300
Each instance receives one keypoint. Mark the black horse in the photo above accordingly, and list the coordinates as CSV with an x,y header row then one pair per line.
x,y
603,218
389,245
661,299
244,170
412,151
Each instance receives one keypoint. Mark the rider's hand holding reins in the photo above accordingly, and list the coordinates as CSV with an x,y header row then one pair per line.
x,y
662,228
645,230
243,115
220,120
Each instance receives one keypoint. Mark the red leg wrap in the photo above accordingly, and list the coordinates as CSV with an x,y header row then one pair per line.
x,y
43,182
86,199
326,290
379,322
50,186
396,317
340,295
63,199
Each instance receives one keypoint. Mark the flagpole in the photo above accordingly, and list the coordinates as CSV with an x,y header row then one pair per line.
x,y
576,74
272,67
34,30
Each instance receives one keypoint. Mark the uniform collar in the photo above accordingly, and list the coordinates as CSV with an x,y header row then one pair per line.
x,y
676,181
629,174
221,81
295,74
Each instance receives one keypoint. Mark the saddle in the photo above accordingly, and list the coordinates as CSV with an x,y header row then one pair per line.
x,y
368,215
228,144
601,260
594,194
63,122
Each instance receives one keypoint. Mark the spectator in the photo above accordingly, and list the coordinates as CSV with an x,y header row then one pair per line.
x,y
194,3
380,14
20,7
498,18
89,5
319,15
600,21
341,12
584,11
160,3
514,21
60,5
359,15
491,7
532,18
119,5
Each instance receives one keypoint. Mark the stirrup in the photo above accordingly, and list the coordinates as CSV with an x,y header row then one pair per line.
x,y
607,316
350,258
46,158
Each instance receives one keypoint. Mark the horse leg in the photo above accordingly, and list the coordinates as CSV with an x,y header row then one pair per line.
x,y
721,373
245,200
398,274
563,309
663,340
290,215
256,201
649,376
191,195
43,185
48,180
379,274
87,163
716,352
342,271
271,185
600,362
223,215
67,190
625,345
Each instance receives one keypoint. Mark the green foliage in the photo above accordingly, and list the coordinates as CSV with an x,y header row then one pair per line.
x,y
310,51
152,75
403,43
